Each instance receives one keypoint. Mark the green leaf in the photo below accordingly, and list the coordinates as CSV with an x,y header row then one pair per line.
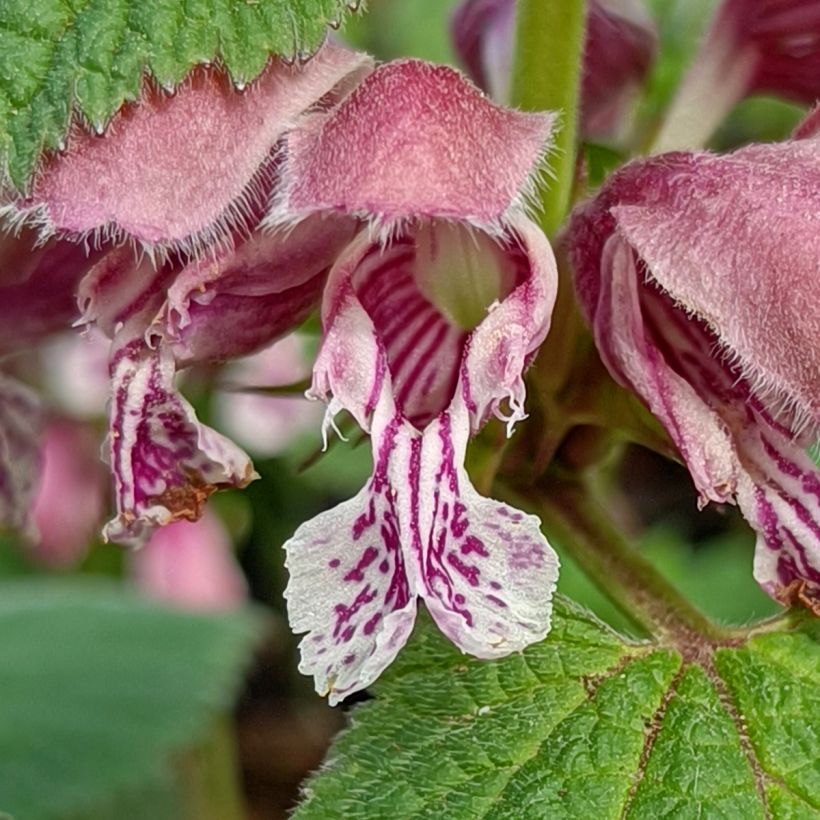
x,y
585,724
100,690
91,55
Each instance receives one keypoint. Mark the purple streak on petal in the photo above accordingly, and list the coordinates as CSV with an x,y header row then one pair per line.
x,y
165,463
348,588
21,425
488,573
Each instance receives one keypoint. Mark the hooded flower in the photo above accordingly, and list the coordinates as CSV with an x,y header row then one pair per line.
x,y
619,50
700,277
430,316
172,195
752,47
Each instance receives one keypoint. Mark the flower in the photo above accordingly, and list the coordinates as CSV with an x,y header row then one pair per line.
x,y
430,316
619,50
190,565
752,47
699,277
170,199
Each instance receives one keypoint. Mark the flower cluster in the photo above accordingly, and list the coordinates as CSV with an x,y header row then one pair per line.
x,y
206,224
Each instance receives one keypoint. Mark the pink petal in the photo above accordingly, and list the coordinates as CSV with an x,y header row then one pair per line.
x,y
618,53
68,506
387,152
184,168
349,588
191,565
39,292
488,572
233,305
21,424
165,463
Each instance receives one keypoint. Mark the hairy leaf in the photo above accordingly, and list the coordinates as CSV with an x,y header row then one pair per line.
x,y
90,56
585,724
100,689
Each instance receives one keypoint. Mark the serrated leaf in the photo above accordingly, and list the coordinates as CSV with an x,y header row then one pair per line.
x,y
585,724
99,690
91,56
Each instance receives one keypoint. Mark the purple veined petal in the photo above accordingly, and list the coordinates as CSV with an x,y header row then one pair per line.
x,y
185,169
386,153
124,291
39,292
165,463
244,299
488,572
349,587
619,50
752,47
21,426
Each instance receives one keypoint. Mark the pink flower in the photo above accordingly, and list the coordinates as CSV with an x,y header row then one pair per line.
x,y
430,316
172,196
68,506
619,50
699,275
190,565
752,47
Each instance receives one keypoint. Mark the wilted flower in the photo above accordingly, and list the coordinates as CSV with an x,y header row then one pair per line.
x,y
752,47
183,180
430,316
699,275
619,50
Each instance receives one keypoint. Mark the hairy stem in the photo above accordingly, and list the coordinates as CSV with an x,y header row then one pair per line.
x,y
547,77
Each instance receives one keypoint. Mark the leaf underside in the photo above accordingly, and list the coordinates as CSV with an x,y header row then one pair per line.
x,y
583,725
90,56
100,690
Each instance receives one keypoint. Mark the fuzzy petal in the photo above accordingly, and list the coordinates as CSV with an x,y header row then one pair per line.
x,y
242,300
165,462
349,589
387,152
184,168
488,572
21,425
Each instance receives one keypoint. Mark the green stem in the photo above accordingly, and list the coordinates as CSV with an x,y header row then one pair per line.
x,y
576,521
547,77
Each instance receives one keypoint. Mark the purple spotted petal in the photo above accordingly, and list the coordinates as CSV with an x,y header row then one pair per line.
x,y
184,169
165,463
349,588
699,277
21,426
488,572
387,152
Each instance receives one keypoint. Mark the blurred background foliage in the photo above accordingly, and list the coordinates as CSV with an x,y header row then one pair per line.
x,y
116,707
